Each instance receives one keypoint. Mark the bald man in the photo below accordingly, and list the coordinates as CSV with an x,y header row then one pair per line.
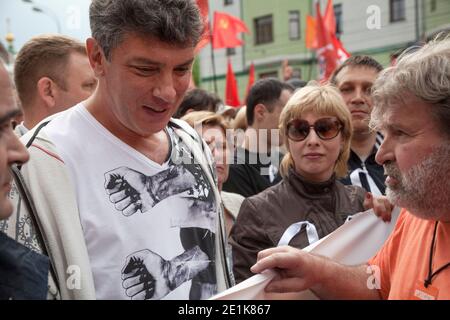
x,y
23,273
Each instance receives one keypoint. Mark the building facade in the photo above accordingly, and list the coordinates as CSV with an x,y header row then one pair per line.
x,y
379,28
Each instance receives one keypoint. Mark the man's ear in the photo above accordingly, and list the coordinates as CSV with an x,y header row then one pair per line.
x,y
260,112
47,91
96,57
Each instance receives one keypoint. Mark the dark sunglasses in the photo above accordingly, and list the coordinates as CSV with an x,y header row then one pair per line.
x,y
325,128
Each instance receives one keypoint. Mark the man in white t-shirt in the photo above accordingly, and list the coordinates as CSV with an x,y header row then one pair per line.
x,y
144,198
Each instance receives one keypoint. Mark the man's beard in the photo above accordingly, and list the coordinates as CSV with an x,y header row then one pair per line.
x,y
425,188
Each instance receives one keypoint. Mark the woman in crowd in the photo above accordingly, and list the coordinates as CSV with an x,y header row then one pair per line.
x,y
310,202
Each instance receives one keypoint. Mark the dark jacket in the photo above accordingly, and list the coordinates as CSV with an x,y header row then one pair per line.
x,y
23,272
264,217
251,173
360,172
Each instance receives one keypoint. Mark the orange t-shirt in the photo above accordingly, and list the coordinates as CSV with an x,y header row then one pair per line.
x,y
404,258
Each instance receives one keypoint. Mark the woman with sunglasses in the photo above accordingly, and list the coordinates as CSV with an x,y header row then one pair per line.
x,y
310,202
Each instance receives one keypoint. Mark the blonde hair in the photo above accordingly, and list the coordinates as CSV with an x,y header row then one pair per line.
x,y
321,100
240,120
422,72
206,118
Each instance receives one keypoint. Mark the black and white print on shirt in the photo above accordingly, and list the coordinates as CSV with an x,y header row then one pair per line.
x,y
4,225
25,232
131,191
148,276
145,273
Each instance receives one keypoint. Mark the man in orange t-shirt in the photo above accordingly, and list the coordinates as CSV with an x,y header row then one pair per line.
x,y
412,110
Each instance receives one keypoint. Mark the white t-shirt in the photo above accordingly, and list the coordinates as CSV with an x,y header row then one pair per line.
x,y
137,214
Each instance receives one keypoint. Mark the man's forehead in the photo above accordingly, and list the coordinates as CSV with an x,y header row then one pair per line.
x,y
134,47
7,101
356,73
407,111
6,93
5,81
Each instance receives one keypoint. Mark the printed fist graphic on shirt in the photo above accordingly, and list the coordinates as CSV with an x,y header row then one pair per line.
x,y
131,190
145,276
127,190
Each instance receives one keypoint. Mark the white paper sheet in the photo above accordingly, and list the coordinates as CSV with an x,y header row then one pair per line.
x,y
353,243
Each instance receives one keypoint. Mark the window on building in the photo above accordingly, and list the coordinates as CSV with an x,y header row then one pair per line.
x,y
227,2
397,10
294,25
263,29
338,16
297,73
270,74
231,52
433,5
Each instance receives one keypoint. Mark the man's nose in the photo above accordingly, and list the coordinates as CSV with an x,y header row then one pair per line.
x,y
165,89
17,153
384,153
358,97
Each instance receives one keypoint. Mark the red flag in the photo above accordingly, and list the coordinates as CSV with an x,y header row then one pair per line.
x,y
206,37
251,79
330,50
326,54
225,30
231,89
340,50
311,33
330,24
329,18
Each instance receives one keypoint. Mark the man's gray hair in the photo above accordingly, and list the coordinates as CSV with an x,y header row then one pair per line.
x,y
177,22
423,72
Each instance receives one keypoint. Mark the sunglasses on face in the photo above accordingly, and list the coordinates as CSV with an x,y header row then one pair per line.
x,y
325,128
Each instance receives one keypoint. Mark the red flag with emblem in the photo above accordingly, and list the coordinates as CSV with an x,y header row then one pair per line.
x,y
225,31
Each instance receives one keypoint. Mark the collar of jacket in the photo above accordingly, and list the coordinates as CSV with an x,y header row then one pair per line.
x,y
310,189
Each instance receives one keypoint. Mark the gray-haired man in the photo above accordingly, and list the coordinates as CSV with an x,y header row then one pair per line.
x,y
143,224
412,109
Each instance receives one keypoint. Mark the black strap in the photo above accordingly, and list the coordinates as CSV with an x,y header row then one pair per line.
x,y
25,195
36,132
33,137
431,274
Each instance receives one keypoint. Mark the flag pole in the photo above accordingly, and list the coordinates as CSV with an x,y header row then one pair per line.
x,y
212,55
213,64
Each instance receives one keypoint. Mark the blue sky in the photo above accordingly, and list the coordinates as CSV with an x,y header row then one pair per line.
x,y
73,17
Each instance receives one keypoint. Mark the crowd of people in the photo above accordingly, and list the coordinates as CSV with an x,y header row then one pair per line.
x,y
126,184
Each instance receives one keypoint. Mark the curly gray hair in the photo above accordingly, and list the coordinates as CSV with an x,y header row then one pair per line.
x,y
423,72
173,21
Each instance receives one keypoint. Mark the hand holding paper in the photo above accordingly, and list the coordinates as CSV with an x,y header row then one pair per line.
x,y
351,244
